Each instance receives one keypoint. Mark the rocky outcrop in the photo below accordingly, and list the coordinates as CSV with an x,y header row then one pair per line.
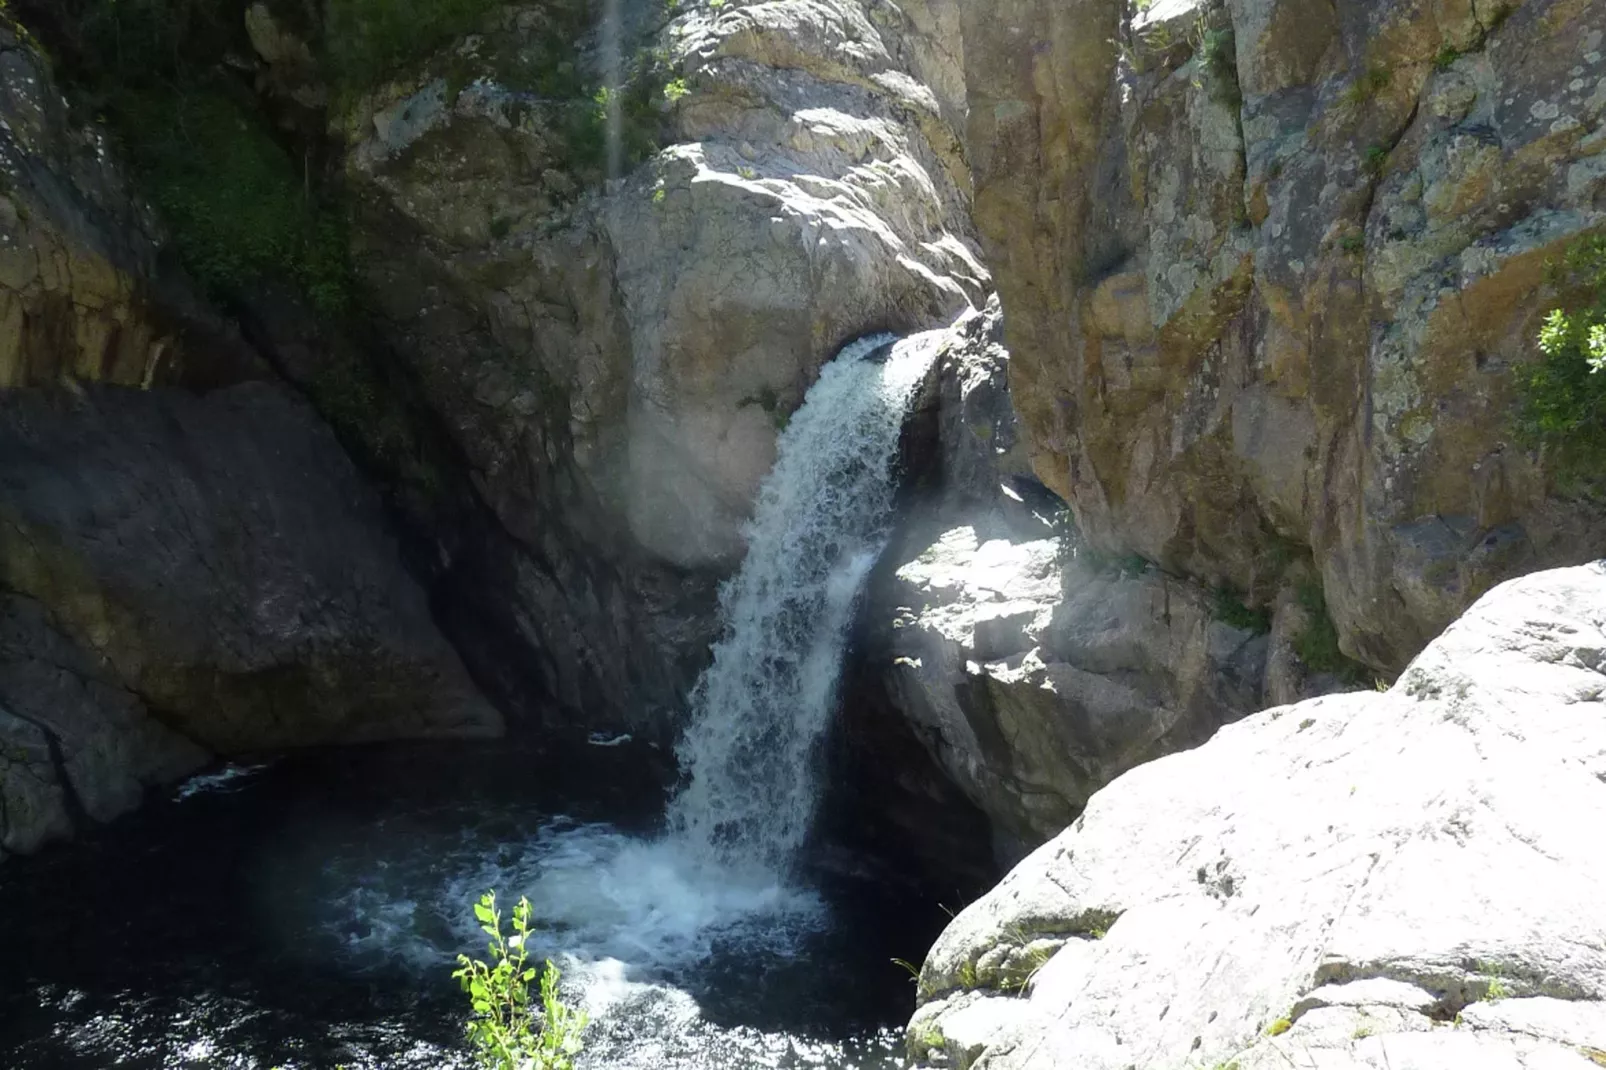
x,y
82,292
1367,880
1037,681
183,577
1034,670
615,360
1268,268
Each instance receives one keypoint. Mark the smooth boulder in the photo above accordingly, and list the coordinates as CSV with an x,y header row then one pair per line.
x,y
1381,880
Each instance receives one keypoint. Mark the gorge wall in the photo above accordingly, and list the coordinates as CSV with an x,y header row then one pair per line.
x,y
1263,272
189,563
1268,268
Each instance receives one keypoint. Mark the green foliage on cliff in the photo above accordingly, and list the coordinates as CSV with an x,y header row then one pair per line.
x,y
1234,612
1317,644
239,207
1563,395
541,64
366,40
506,1031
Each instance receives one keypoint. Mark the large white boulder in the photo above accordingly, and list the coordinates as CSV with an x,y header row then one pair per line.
x,y
1411,879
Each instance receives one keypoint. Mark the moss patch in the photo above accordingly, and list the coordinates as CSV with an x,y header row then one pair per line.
x,y
366,41
1231,610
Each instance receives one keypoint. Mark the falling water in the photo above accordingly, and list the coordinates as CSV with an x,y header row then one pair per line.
x,y
649,927
820,524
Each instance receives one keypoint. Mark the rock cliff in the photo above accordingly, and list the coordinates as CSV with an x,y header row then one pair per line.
x,y
1034,670
1268,267
1365,880
190,566
615,349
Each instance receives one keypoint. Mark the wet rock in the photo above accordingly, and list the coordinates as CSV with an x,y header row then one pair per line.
x,y
1367,880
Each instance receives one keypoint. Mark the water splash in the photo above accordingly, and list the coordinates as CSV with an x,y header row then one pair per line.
x,y
819,525
634,919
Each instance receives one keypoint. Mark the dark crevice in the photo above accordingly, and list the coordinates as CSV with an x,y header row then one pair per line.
x,y
76,813
1375,180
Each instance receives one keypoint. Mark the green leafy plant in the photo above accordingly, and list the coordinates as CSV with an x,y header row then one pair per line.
x,y
367,40
1446,57
1279,1027
504,1030
241,207
1368,84
1231,610
1562,397
236,202
1377,157
1317,644
1216,52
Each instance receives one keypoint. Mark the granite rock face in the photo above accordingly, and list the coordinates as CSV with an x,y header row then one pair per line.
x,y
1034,670
183,574
1039,681
184,577
1268,267
1368,880
615,361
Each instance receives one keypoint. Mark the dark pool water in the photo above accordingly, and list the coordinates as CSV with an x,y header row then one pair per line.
x,y
305,912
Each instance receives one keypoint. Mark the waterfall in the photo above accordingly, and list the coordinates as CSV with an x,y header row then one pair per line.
x,y
616,907
820,522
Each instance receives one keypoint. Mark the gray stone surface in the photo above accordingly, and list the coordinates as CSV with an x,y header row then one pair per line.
x,y
615,362
1269,267
1400,879
1038,680
1034,671
183,577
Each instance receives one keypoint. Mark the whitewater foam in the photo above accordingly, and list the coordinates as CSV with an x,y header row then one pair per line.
x,y
628,917
818,526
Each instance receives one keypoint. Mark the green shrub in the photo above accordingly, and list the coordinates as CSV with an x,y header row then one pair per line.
x,y
504,1030
238,207
1317,645
1234,612
1368,84
1562,396
1217,64
366,41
